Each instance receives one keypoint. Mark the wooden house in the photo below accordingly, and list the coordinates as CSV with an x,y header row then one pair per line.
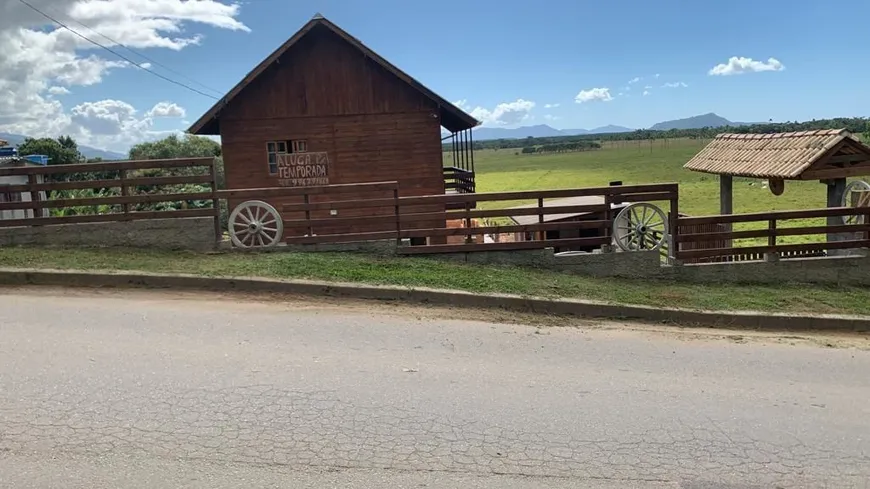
x,y
324,109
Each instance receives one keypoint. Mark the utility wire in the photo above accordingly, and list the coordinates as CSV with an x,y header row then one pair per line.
x,y
149,59
95,43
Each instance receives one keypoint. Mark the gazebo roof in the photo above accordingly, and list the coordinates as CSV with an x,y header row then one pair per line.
x,y
806,155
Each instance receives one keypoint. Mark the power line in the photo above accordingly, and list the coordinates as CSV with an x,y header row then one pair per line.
x,y
95,43
143,56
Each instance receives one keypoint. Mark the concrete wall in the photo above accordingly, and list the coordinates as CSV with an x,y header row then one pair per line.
x,y
196,233
836,270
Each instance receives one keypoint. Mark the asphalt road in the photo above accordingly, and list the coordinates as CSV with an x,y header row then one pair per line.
x,y
129,390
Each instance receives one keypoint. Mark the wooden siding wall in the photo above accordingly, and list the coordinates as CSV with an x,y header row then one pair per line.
x,y
322,75
372,126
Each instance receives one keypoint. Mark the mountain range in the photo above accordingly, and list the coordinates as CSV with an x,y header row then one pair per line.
x,y
697,122
540,131
484,133
545,131
86,151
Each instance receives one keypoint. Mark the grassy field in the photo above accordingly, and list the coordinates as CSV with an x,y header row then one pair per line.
x,y
424,272
636,162
642,162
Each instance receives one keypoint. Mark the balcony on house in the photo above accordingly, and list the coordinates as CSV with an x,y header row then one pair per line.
x,y
459,165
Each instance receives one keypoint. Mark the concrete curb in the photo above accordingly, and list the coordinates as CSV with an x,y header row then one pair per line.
x,y
587,309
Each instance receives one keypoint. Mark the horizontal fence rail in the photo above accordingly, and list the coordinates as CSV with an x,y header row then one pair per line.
x,y
110,191
711,237
427,219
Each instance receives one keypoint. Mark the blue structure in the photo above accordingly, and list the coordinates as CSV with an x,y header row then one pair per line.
x,y
38,159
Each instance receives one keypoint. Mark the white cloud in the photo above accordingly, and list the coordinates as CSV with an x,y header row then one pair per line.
x,y
634,80
551,117
646,92
674,85
167,109
551,106
104,118
40,60
113,124
593,94
656,75
504,114
647,87
740,65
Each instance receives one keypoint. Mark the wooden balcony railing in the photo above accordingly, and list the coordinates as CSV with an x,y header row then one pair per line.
x,y
458,180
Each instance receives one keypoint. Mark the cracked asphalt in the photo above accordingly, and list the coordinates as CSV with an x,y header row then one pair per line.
x,y
135,389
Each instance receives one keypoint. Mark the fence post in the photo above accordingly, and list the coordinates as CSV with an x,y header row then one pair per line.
x,y
608,226
674,228
307,200
215,202
33,180
772,255
398,216
122,177
866,221
541,234
468,237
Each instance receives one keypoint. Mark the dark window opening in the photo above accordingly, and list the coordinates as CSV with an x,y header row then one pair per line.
x,y
276,148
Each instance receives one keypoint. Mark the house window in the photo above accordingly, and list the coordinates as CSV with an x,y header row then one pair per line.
x,y
276,148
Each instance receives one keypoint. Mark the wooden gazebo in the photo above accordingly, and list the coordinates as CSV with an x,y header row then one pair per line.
x,y
830,156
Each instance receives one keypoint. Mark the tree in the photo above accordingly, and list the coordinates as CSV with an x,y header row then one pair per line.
x,y
189,146
60,151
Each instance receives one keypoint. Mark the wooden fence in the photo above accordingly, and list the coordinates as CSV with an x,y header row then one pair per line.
x,y
403,213
120,188
847,236
130,190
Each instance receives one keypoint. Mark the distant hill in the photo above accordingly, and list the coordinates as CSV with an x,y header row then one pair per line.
x,y
87,151
697,122
540,131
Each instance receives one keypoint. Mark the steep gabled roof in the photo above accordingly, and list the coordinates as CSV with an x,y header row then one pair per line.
x,y
452,118
806,155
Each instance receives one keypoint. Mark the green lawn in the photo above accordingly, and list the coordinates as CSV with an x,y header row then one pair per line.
x,y
636,162
423,272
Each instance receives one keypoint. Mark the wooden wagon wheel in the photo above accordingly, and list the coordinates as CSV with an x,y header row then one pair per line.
x,y
854,186
255,224
640,226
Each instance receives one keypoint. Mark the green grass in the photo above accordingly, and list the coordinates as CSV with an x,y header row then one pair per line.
x,y
636,162
424,272
643,162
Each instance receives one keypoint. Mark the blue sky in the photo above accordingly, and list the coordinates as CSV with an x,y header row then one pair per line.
x,y
528,55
